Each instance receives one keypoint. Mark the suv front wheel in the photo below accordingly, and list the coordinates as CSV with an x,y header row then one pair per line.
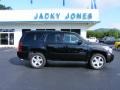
x,y
97,61
37,60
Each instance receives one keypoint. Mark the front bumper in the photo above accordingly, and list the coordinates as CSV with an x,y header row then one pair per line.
x,y
110,57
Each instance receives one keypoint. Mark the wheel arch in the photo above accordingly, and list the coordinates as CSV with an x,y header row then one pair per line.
x,y
98,52
36,50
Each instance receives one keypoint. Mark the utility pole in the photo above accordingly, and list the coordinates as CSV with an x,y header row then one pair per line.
x,y
31,1
93,4
63,3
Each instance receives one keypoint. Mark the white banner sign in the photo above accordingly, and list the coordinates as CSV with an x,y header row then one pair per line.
x,y
50,15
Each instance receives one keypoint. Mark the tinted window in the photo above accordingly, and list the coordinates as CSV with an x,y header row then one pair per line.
x,y
39,36
70,38
27,37
54,38
57,38
30,37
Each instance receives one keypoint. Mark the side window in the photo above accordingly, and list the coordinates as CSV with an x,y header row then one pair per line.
x,y
54,38
28,37
33,37
50,38
39,37
70,38
58,38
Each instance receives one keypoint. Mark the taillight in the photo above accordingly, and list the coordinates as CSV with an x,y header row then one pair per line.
x,y
20,47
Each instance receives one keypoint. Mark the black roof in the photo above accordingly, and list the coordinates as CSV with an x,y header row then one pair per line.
x,y
49,31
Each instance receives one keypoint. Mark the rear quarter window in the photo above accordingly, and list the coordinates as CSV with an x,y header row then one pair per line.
x,y
33,37
27,37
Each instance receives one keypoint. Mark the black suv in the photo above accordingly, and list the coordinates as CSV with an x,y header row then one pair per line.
x,y
40,46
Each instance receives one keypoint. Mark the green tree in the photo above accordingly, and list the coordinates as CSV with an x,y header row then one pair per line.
x,y
3,7
102,32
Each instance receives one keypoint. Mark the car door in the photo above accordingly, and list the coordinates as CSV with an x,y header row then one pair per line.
x,y
55,47
74,46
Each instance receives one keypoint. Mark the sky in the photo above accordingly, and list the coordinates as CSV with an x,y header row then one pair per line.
x,y
109,9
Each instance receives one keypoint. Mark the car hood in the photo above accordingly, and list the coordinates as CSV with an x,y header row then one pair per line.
x,y
94,43
97,46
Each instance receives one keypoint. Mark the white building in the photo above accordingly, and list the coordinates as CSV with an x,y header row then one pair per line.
x,y
13,23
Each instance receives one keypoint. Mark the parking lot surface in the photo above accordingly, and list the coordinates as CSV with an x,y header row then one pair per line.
x,y
18,75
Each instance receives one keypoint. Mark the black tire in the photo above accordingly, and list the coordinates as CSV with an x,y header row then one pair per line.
x,y
37,60
97,61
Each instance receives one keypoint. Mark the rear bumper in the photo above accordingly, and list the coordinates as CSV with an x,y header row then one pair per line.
x,y
22,55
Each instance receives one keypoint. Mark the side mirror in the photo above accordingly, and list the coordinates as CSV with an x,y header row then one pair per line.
x,y
79,42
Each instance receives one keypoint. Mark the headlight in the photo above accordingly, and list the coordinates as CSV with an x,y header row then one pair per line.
x,y
108,49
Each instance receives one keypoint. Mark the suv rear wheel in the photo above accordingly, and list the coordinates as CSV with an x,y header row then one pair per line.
x,y
97,61
37,60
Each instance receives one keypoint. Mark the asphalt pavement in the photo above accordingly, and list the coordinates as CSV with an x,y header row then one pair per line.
x,y
18,75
